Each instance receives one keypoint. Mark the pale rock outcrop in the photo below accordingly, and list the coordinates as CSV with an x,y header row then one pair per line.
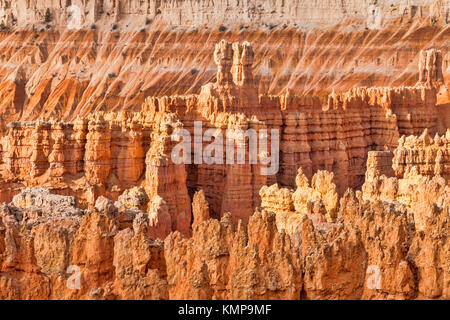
x,y
430,156
103,204
200,208
322,188
280,200
319,202
134,198
42,199
160,220
430,68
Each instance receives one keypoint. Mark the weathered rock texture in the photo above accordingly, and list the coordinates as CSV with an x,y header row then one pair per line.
x,y
130,49
96,95
192,12
430,156
106,154
389,241
430,68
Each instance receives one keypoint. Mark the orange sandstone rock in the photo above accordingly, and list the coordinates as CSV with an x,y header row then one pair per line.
x,y
200,208
430,156
388,240
160,220
264,265
430,68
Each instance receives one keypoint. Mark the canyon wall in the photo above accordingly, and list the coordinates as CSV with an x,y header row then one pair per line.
x,y
196,13
48,71
98,203
105,154
388,241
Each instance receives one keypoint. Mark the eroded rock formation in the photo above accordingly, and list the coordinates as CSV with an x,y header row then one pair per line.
x,y
109,153
430,68
191,12
115,171
128,50
378,244
430,156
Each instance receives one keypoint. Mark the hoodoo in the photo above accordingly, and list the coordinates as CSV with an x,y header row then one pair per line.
x,y
224,150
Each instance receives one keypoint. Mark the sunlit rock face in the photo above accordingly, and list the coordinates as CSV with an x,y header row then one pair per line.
x,y
129,155
389,241
353,98
124,51
196,13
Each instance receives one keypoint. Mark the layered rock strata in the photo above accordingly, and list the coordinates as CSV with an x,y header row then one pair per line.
x,y
195,13
108,153
96,96
121,52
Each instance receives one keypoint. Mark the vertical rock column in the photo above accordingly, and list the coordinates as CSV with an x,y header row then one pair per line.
x,y
78,141
223,55
40,144
127,151
295,147
97,164
430,68
11,148
243,58
165,178
200,208
57,156
238,179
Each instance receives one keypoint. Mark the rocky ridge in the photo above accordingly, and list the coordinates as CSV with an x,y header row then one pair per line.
x,y
318,241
